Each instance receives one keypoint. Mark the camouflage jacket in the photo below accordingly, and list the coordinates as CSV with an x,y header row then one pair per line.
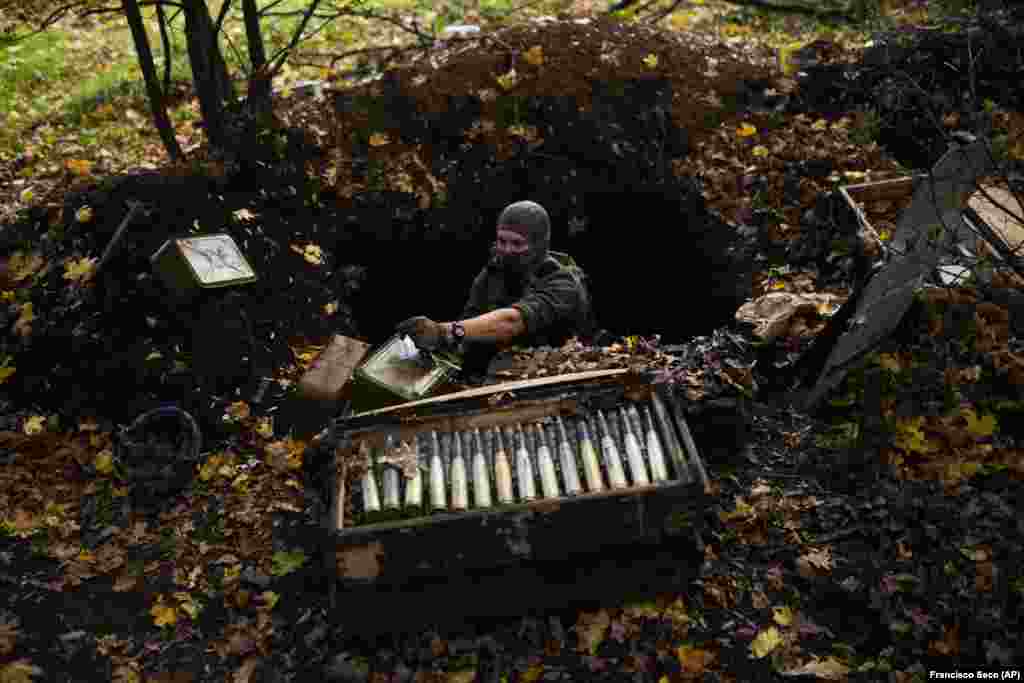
x,y
553,300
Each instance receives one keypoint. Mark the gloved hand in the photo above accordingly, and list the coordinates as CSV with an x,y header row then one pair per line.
x,y
424,332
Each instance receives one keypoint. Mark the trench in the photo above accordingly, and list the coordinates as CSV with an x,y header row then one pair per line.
x,y
649,269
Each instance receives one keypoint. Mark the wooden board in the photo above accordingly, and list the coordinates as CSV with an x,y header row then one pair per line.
x,y
500,388
327,376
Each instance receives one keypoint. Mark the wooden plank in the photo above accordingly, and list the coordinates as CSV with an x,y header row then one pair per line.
x,y
327,376
499,388
896,188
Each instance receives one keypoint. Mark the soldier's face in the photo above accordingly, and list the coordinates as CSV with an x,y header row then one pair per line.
x,y
509,243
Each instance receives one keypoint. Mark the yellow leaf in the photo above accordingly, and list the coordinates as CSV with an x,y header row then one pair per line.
x,y
188,604
104,462
746,130
34,425
692,659
5,373
379,140
7,296
889,362
532,674
270,598
508,80
534,56
910,436
27,195
208,470
855,175
760,151
79,270
787,65
651,61
232,572
22,265
154,355
86,556
80,167
820,124
979,427
313,254
330,308
163,615
765,642
241,483
19,671
783,616
265,427
239,410
84,214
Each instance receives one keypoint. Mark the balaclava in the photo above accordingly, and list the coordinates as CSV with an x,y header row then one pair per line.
x,y
530,220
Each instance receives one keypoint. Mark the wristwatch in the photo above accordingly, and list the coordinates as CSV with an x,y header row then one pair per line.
x,y
457,332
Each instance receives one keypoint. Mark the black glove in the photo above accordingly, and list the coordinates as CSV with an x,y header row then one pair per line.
x,y
424,332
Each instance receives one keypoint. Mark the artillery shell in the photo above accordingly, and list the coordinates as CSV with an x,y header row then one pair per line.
x,y
637,469
438,499
524,468
616,475
591,468
460,486
548,476
371,496
570,469
691,447
659,471
502,471
414,486
481,477
668,436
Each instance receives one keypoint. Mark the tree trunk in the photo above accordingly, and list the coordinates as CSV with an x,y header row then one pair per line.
x,y
258,99
209,74
156,95
165,41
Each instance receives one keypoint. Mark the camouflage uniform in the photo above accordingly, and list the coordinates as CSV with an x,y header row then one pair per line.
x,y
553,300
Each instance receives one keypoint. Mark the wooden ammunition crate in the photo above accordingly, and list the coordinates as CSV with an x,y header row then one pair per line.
x,y
512,558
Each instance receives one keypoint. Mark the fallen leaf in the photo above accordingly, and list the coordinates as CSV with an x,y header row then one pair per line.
x,y
830,669
760,151
694,660
979,426
783,616
245,672
765,642
591,629
79,167
746,130
84,214
270,599
79,270
20,671
22,325
651,61
286,562
820,124
379,140
163,615
8,636
104,462
534,56
34,425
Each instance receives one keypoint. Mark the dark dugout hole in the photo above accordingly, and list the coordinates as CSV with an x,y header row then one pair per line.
x,y
656,264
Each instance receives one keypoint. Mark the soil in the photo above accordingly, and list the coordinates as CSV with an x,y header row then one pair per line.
x,y
887,572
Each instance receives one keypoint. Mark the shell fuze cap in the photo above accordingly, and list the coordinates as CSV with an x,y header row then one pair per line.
x,y
530,220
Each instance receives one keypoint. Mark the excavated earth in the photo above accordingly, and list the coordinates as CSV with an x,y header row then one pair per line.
x,y
412,170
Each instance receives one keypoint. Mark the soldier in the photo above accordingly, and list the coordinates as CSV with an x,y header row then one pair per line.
x,y
526,295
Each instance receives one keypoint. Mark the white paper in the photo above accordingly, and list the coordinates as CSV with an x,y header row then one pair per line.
x,y
407,349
